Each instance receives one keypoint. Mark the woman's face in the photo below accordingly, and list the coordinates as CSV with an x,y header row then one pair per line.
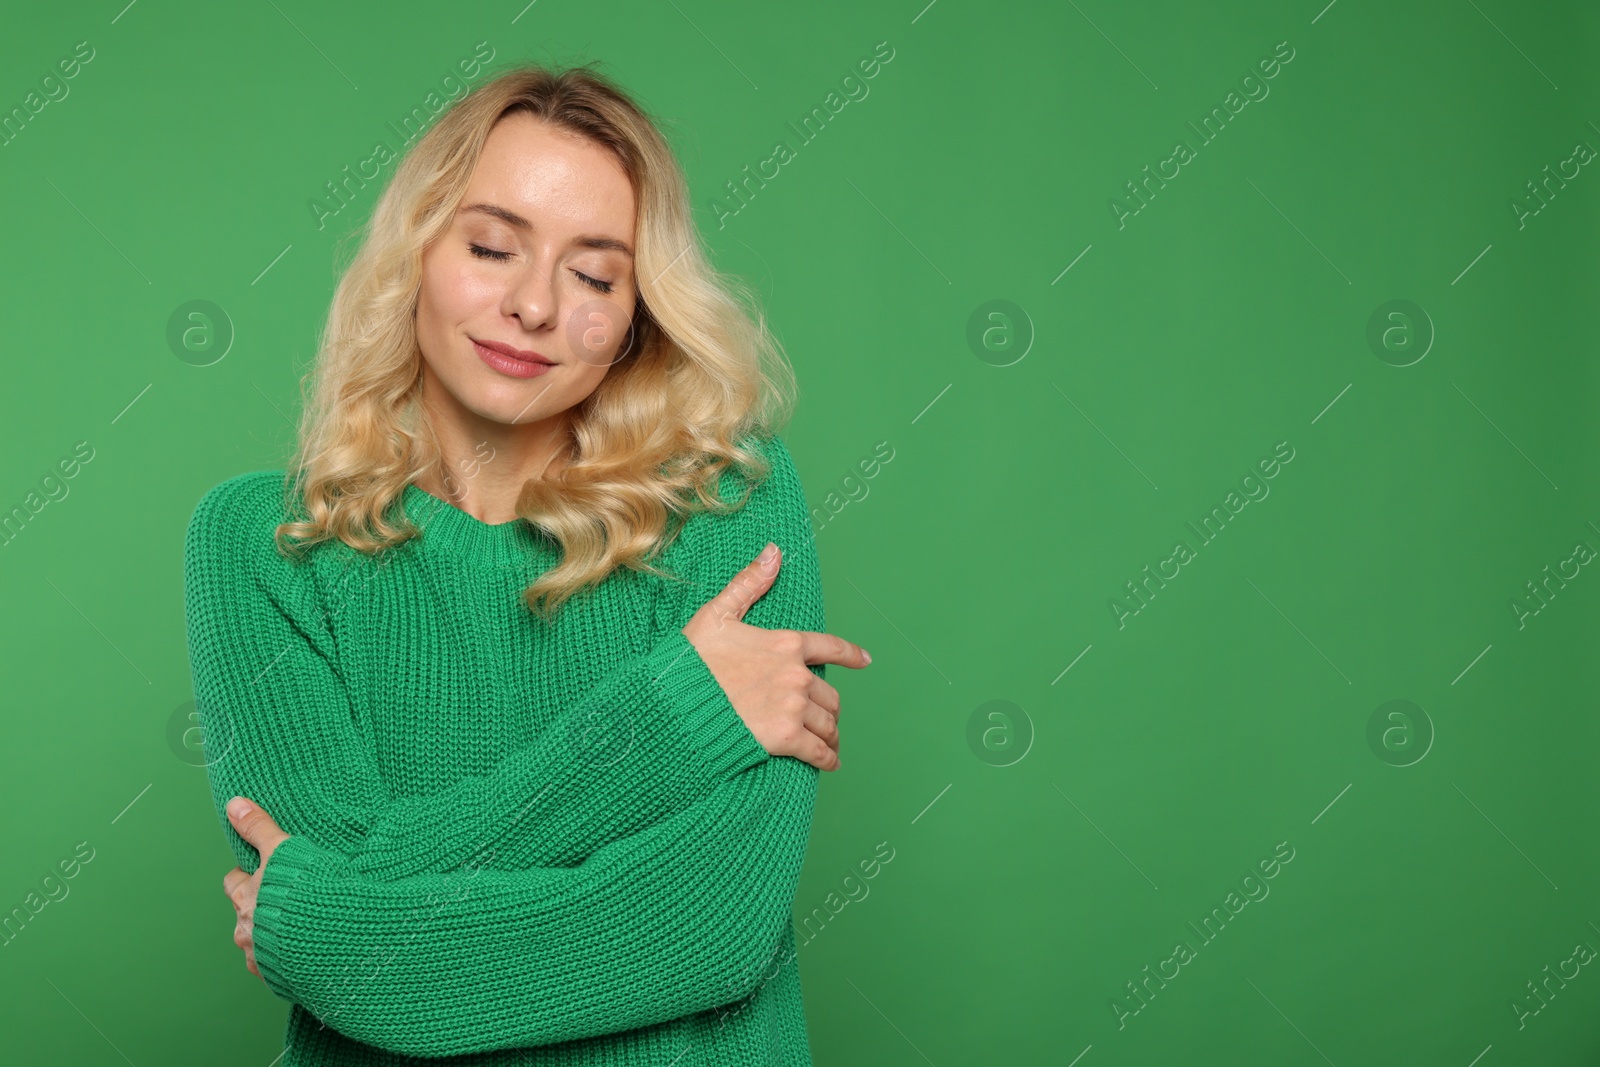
x,y
538,259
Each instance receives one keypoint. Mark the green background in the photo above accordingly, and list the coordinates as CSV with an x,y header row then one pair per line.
x,y
1143,766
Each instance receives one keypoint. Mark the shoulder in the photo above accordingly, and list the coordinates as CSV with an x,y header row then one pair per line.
x,y
781,483
237,511
242,497
773,499
714,546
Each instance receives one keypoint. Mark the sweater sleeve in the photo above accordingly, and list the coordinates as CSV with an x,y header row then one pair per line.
x,y
280,729
677,919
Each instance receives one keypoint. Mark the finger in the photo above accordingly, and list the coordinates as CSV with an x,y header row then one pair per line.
x,y
746,587
254,824
823,694
824,724
233,879
828,648
244,817
819,753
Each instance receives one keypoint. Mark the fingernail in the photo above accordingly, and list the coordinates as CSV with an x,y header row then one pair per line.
x,y
238,807
769,555
866,655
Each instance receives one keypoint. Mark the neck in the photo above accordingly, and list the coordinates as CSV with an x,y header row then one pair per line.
x,y
484,464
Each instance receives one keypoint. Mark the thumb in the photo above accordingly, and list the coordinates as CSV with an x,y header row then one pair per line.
x,y
748,586
254,825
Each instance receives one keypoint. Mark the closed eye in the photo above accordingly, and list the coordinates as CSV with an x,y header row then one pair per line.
x,y
489,253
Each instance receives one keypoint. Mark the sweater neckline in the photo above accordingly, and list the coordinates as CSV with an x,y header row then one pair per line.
x,y
461,534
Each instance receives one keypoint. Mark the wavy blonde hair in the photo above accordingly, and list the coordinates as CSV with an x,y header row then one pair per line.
x,y
647,447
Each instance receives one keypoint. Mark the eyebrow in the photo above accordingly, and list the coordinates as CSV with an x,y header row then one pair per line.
x,y
604,244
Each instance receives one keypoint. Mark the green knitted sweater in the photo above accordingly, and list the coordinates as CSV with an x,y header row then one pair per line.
x,y
512,843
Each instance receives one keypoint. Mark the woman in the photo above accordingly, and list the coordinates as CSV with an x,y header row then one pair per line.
x,y
496,681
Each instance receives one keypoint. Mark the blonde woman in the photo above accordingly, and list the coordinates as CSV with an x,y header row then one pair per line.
x,y
519,723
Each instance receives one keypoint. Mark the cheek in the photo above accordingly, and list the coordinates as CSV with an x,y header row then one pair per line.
x,y
577,379
595,332
473,287
455,292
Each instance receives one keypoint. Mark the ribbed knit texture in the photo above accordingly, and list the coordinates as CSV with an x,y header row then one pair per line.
x,y
512,844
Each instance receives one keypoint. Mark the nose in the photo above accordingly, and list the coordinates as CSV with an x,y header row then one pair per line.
x,y
530,296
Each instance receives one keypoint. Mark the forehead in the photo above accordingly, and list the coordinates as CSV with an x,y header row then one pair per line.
x,y
553,177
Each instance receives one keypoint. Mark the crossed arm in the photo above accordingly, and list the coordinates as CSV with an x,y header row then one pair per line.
x,y
565,893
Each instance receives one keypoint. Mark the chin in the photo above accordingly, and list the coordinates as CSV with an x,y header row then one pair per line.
x,y
503,405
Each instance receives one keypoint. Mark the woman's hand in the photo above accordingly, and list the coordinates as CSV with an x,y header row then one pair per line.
x,y
789,709
256,827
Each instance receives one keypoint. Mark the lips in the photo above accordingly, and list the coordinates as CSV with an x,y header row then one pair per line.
x,y
512,366
511,352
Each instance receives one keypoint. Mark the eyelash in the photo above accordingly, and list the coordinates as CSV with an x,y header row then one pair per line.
x,y
490,253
